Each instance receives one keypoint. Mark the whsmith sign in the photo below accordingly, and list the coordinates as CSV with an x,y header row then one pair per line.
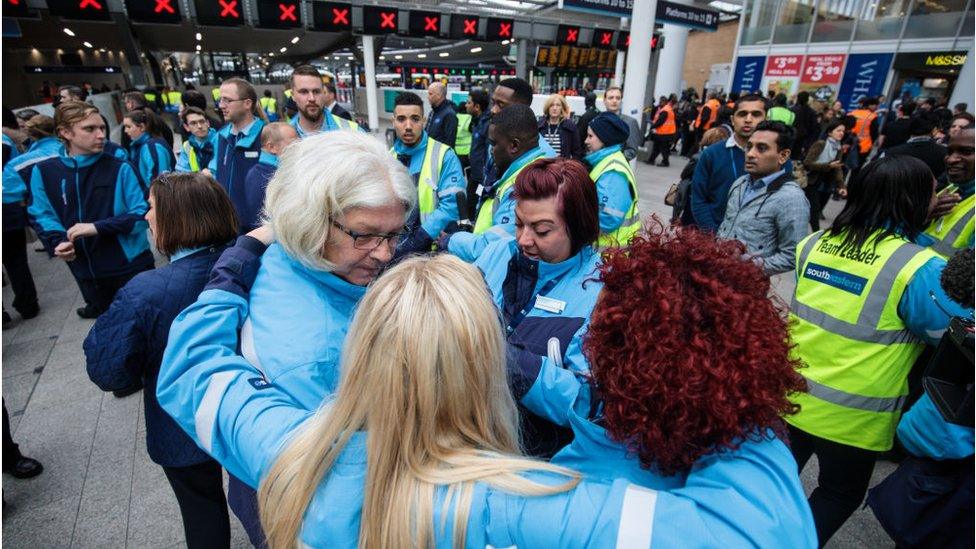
x,y
667,12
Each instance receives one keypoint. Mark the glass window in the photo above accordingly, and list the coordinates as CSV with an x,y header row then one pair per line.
x,y
967,23
882,19
932,18
835,21
794,22
759,17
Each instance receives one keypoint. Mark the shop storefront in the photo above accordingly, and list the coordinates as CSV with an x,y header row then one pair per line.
x,y
927,74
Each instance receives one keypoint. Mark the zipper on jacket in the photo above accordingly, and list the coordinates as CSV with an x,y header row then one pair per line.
x,y
88,258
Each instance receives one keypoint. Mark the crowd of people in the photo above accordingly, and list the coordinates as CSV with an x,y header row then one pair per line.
x,y
472,337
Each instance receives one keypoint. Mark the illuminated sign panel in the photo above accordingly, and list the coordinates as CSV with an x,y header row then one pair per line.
x,y
279,14
331,16
153,11
464,26
500,29
425,23
380,20
226,13
96,10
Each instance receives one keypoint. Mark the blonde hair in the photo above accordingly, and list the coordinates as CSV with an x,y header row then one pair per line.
x,y
563,104
321,177
424,375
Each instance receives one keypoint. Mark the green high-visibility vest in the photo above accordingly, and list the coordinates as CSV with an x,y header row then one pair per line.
x,y
486,215
429,177
617,162
215,93
191,156
781,114
173,98
462,145
150,96
953,231
856,349
269,104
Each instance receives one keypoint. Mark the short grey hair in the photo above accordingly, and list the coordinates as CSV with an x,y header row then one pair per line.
x,y
321,177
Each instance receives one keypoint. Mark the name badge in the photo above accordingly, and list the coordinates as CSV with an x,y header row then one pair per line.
x,y
549,304
251,154
480,190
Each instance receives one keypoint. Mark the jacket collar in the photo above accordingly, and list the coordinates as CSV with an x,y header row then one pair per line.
x,y
595,157
197,142
142,140
521,162
78,160
45,143
185,252
549,271
247,137
268,159
400,148
328,279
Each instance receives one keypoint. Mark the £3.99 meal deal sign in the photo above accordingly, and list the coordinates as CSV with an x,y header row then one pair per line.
x,y
821,75
783,73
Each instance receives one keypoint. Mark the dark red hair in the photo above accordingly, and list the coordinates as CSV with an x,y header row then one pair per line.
x,y
689,353
569,181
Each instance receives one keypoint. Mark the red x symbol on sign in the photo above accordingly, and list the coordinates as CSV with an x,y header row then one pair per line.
x,y
388,20
340,16
628,40
89,3
163,5
505,30
430,23
228,8
287,12
14,2
470,26
571,35
605,38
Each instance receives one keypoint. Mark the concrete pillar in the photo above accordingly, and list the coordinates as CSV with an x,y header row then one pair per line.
x,y
963,92
638,57
521,58
671,61
369,60
618,71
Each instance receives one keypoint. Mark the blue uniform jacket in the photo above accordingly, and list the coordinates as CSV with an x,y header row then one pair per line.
x,y
490,176
249,199
925,433
16,177
98,189
478,156
10,150
204,148
243,421
126,345
451,182
442,123
235,155
718,166
469,246
612,189
296,319
150,156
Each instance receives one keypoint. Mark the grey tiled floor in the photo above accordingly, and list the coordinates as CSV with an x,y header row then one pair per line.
x,y
99,488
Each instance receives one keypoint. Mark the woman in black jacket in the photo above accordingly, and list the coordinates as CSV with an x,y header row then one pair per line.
x,y
192,221
559,130
824,164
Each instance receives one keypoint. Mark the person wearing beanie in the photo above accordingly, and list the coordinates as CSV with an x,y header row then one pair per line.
x,y
616,185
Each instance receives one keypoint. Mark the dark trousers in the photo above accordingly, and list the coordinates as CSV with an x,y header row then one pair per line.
x,y
15,262
689,141
662,146
11,452
818,200
99,292
199,491
243,502
845,472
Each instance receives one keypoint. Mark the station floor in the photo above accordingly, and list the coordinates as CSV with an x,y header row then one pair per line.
x,y
99,489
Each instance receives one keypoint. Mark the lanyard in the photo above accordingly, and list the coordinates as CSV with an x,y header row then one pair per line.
x,y
735,172
518,318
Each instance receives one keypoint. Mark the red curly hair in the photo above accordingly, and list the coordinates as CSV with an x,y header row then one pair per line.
x,y
688,352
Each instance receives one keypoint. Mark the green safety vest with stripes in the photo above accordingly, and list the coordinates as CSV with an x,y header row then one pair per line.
x,y
617,162
953,231
191,156
269,104
344,124
429,177
215,93
462,145
856,349
173,98
486,215
150,96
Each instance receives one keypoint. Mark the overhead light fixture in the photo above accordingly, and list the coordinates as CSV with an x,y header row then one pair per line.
x,y
444,54
87,44
198,47
476,49
506,42
382,58
271,54
398,57
102,50
295,40
69,32
421,56
199,36
283,50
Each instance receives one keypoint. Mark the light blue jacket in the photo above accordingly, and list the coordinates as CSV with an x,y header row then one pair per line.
x,y
925,433
16,174
468,246
328,124
612,189
183,161
451,182
243,421
150,157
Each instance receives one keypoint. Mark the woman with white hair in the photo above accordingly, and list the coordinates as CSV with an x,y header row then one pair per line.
x,y
337,216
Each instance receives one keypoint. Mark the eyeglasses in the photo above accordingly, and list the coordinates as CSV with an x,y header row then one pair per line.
x,y
367,241
225,101
194,123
